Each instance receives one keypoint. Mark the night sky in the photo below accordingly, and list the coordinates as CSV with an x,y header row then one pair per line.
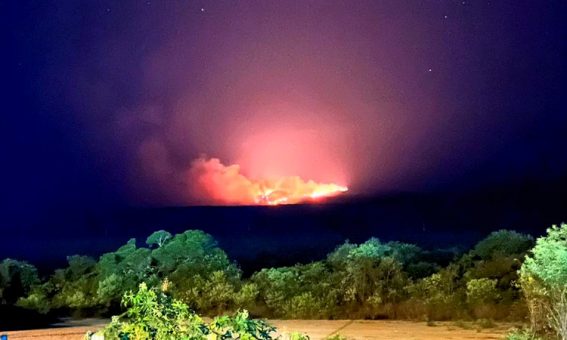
x,y
107,103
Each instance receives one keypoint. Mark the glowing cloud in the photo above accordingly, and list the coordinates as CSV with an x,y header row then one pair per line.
x,y
216,183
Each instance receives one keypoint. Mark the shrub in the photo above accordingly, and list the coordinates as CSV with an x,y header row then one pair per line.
x,y
240,326
73,287
503,242
495,259
297,336
368,276
368,280
121,271
152,314
336,336
158,238
215,293
200,272
245,298
303,306
16,280
482,291
36,300
194,250
543,278
437,297
276,286
499,257
521,334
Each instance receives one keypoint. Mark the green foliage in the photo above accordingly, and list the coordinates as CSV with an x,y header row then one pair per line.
x,y
336,337
482,291
521,334
121,271
277,286
37,300
158,238
72,287
483,298
152,314
215,293
500,257
543,278
547,262
16,280
439,296
368,280
193,249
490,273
503,243
363,280
198,271
87,284
246,296
297,336
370,275
303,306
240,326
503,269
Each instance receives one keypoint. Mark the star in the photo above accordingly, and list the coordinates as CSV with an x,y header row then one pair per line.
x,y
202,9
429,70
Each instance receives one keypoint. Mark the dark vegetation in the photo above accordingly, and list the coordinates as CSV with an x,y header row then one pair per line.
x,y
506,276
153,314
368,280
262,237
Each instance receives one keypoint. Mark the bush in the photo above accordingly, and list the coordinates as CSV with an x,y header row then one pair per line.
x,y
521,334
336,337
297,336
245,298
215,293
158,238
198,271
368,280
543,278
437,297
16,280
503,243
498,257
152,314
482,292
369,277
303,306
240,326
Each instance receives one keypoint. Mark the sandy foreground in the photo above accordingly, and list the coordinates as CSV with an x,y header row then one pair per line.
x,y
316,329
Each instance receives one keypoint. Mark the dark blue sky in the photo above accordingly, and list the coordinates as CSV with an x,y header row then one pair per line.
x,y
107,102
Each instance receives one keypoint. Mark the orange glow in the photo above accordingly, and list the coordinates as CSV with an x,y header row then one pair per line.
x,y
216,183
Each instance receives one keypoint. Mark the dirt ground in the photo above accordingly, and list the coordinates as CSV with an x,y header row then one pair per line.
x,y
318,329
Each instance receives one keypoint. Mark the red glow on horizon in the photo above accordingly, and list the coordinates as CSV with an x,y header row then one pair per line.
x,y
218,184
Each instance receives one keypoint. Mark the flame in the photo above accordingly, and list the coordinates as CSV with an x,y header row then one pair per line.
x,y
220,184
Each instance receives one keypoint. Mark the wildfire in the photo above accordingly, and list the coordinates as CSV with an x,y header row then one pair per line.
x,y
220,184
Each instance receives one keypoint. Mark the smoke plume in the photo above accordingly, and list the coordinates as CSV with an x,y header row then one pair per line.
x,y
215,183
